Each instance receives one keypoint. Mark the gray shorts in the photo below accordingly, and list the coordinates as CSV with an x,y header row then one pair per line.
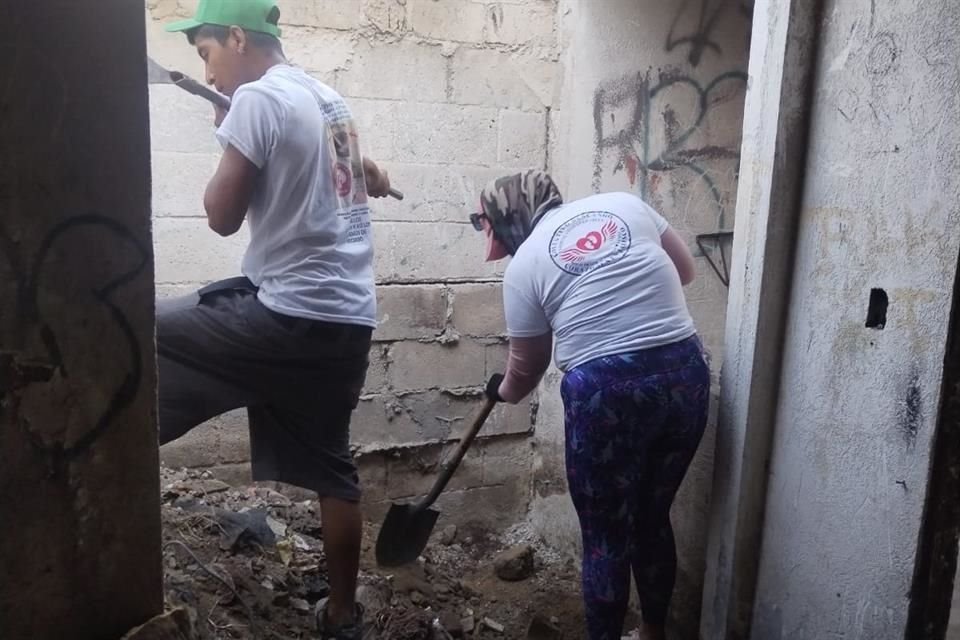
x,y
220,349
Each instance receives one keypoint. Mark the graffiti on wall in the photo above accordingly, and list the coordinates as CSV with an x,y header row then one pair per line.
x,y
45,355
695,24
654,140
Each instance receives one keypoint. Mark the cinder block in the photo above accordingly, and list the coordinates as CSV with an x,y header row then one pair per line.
x,y
413,473
199,448
507,461
496,358
411,252
493,507
442,192
440,133
321,53
410,312
376,122
457,20
512,81
187,251
179,181
390,16
522,139
441,416
509,419
381,422
373,477
418,366
386,70
530,23
180,122
377,371
236,475
322,14
478,309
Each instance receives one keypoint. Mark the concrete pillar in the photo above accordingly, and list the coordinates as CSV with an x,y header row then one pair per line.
x,y
771,179
79,488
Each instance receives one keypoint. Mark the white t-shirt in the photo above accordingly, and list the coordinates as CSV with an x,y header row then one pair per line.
x,y
594,272
310,248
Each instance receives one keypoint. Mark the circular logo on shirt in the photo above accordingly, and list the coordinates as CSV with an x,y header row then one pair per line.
x,y
590,240
343,178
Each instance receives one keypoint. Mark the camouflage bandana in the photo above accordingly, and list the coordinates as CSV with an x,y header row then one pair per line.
x,y
514,205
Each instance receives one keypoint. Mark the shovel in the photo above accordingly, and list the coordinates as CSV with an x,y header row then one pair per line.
x,y
407,527
157,74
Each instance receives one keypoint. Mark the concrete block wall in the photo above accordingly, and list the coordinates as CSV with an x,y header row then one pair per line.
x,y
447,95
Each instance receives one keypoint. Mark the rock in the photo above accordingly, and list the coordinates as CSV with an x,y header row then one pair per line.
x,y
374,598
467,623
300,605
514,564
449,535
452,624
173,625
493,625
416,598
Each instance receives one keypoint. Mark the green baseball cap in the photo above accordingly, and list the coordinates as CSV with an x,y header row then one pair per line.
x,y
250,15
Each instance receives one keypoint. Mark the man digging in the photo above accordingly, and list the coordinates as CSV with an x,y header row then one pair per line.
x,y
290,338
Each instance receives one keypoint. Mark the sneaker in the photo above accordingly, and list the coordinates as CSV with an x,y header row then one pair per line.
x,y
356,630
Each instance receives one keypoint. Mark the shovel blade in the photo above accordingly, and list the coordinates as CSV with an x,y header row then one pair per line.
x,y
404,534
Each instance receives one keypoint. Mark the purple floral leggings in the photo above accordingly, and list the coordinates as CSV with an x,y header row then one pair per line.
x,y
633,424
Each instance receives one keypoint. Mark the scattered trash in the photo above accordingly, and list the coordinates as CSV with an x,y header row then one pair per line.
x,y
493,625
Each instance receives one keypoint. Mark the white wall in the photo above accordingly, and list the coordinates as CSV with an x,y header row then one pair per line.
x,y
858,406
640,91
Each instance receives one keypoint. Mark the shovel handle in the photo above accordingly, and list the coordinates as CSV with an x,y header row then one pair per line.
x,y
448,469
190,85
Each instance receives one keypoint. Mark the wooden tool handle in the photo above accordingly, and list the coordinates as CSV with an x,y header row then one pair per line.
x,y
454,462
393,193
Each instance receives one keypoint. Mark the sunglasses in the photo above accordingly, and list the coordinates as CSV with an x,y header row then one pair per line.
x,y
476,219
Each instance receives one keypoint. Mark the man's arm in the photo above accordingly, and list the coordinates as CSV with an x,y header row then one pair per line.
x,y
229,192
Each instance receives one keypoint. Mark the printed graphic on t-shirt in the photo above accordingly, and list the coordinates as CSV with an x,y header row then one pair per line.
x,y
588,241
348,181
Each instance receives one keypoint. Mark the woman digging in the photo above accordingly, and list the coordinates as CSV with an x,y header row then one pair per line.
x,y
599,282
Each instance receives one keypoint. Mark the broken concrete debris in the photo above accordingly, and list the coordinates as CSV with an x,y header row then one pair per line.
x,y
514,564
254,568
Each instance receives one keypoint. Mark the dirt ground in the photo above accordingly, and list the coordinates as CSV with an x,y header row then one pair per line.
x,y
249,563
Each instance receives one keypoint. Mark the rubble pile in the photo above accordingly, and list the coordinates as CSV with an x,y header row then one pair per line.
x,y
249,563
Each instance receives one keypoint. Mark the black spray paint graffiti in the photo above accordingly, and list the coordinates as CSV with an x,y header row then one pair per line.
x,y
705,15
28,282
629,146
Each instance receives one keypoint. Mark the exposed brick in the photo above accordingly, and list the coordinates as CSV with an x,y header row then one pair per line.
x,y
458,20
413,473
418,366
444,132
373,477
196,449
179,180
391,16
494,78
507,460
413,251
321,53
510,419
442,192
381,422
440,416
188,251
377,371
180,122
493,507
530,23
496,358
522,137
382,70
478,309
376,123
324,14
410,312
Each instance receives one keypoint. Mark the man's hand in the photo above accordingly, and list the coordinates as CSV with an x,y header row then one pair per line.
x,y
218,115
378,182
